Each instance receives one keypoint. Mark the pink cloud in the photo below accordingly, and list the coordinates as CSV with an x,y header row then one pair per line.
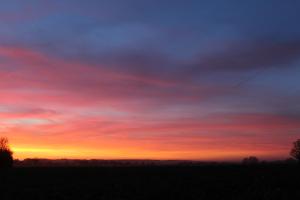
x,y
33,76
59,96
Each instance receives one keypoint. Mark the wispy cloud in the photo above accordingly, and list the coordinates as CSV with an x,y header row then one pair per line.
x,y
150,78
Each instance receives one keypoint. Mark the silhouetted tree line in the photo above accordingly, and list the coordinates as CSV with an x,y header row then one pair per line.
x,y
295,152
252,160
6,158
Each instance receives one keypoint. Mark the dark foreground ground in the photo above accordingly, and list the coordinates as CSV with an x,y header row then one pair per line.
x,y
206,182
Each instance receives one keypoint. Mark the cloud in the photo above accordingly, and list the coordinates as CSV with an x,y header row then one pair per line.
x,y
31,75
236,132
251,55
22,112
150,77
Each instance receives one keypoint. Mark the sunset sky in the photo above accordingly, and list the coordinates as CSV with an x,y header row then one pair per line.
x,y
150,79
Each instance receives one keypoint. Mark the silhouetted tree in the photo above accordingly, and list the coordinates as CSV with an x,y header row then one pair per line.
x,y
252,160
6,158
295,152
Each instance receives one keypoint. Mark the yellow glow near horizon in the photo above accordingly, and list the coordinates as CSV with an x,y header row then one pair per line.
x,y
62,153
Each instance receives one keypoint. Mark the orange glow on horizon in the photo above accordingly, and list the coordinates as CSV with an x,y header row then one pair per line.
x,y
122,153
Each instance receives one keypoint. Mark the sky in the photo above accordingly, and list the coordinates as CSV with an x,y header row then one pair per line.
x,y
159,79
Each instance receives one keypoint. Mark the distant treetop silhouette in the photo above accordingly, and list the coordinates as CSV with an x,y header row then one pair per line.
x,y
252,160
295,152
6,158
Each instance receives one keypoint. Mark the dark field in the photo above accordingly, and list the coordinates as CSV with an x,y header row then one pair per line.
x,y
206,182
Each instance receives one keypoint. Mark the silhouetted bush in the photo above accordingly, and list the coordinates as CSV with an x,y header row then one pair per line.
x,y
6,158
252,160
295,152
